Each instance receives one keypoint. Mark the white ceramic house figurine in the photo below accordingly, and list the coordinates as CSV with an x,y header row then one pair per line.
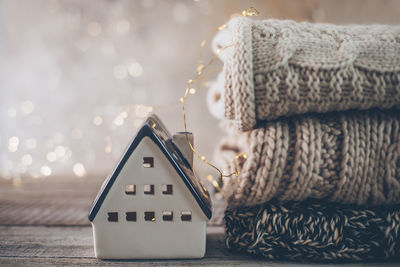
x,y
152,206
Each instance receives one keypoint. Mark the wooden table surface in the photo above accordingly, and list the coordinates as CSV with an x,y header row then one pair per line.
x,y
44,223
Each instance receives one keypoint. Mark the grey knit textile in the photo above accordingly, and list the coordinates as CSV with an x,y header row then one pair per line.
x,y
279,68
315,231
346,157
316,110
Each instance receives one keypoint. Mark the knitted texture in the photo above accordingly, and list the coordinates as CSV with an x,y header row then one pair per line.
x,y
345,157
312,230
278,68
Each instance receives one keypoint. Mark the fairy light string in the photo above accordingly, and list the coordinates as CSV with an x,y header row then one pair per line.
x,y
191,89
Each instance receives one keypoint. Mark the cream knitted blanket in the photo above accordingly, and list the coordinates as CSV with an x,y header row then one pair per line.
x,y
346,157
278,68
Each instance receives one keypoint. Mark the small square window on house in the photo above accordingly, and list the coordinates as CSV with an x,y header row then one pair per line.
x,y
167,189
167,215
150,216
112,216
186,216
130,189
148,189
131,216
148,162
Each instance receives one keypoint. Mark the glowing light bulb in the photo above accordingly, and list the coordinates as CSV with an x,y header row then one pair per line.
x,y
119,120
35,174
45,170
135,69
108,149
13,144
26,160
51,156
124,114
79,169
97,120
27,107
60,151
13,141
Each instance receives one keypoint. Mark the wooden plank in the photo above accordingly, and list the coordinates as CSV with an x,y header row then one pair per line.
x,y
58,201
31,245
71,242
57,246
18,243
53,201
202,262
94,262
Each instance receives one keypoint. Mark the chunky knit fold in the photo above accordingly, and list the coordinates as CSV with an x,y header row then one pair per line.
x,y
348,157
279,68
315,230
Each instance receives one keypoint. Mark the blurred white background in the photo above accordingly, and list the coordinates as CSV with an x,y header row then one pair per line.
x,y
79,77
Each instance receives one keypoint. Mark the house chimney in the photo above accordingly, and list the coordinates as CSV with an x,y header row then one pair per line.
x,y
182,143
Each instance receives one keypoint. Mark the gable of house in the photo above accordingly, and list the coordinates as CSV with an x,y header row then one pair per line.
x,y
154,146
142,193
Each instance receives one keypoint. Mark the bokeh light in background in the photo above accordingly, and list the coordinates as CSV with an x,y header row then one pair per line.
x,y
79,77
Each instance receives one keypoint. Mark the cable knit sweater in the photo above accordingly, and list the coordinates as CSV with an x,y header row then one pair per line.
x,y
315,230
346,157
278,68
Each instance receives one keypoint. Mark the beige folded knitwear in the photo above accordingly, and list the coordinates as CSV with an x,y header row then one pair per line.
x,y
345,157
279,68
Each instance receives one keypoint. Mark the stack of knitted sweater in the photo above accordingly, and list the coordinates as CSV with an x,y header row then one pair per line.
x,y
315,107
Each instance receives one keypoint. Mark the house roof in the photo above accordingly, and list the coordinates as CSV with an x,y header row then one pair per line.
x,y
155,129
